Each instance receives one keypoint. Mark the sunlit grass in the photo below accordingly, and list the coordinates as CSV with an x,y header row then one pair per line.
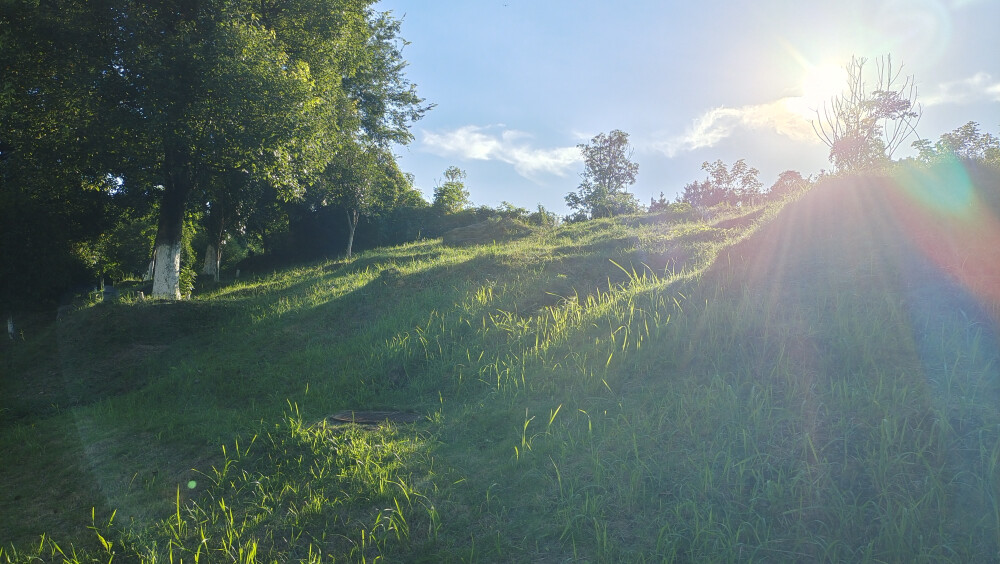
x,y
587,392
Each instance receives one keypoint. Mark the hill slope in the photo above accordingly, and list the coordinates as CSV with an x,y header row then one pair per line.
x,y
826,390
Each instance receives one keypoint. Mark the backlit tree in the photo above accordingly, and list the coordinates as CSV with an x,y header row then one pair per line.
x,y
866,124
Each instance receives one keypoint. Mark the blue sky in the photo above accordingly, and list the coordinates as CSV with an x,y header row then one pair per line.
x,y
519,83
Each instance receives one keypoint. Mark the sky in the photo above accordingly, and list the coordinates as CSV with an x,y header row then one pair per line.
x,y
518,84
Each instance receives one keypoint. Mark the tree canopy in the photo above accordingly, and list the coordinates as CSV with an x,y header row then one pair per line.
x,y
609,171
965,142
736,185
165,99
451,196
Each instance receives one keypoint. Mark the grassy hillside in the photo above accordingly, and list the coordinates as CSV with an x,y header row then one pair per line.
x,y
813,382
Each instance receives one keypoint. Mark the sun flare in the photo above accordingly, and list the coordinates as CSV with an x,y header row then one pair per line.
x,y
821,83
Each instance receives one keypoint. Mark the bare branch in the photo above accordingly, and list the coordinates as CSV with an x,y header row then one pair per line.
x,y
863,128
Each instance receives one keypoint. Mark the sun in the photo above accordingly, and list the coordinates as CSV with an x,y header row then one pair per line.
x,y
822,82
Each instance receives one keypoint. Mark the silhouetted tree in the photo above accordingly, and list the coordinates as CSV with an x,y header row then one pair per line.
x,y
703,193
787,182
736,185
865,125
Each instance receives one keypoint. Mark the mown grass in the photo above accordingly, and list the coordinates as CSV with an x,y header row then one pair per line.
x,y
820,393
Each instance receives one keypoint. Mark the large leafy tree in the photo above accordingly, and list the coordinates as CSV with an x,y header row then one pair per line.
x,y
865,125
193,91
219,89
55,196
609,171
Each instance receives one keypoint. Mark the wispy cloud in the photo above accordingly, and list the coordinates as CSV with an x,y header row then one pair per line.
x,y
509,146
788,117
980,87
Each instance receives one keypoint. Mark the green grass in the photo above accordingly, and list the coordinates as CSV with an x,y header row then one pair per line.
x,y
756,385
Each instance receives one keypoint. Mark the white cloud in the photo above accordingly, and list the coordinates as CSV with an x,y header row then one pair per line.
x,y
510,146
980,87
788,117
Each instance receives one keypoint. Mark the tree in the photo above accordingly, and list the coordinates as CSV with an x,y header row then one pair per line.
x,y
787,182
702,193
359,181
737,185
190,91
608,173
222,88
55,194
966,143
451,196
863,127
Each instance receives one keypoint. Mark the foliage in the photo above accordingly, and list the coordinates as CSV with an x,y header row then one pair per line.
x,y
608,173
192,95
451,196
966,143
540,217
656,206
54,196
863,127
736,186
788,182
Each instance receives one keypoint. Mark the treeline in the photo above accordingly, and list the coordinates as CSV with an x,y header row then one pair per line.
x,y
179,139
610,170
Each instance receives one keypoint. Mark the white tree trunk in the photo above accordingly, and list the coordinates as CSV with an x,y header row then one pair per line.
x,y
352,223
166,271
213,256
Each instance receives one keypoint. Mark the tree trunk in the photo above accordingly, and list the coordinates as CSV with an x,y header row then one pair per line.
x,y
352,224
170,228
213,251
213,256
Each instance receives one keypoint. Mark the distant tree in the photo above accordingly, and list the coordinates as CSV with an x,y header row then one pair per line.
x,y
608,173
702,193
543,217
507,210
736,185
966,142
865,125
788,181
451,196
739,182
656,206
